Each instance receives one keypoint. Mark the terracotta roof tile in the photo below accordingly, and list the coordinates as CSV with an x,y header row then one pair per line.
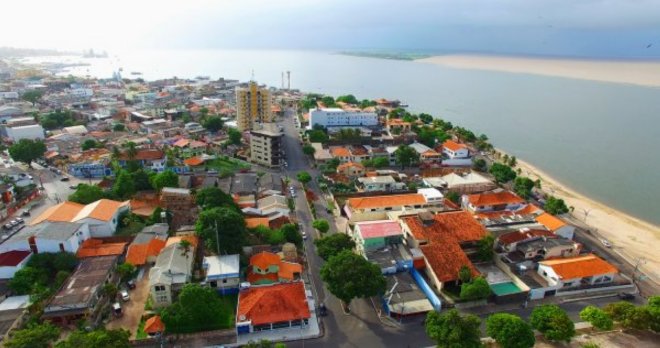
x,y
494,198
65,211
145,154
346,165
190,238
550,222
96,247
256,221
580,266
386,201
453,146
194,161
517,236
288,270
154,325
13,258
340,151
264,259
275,303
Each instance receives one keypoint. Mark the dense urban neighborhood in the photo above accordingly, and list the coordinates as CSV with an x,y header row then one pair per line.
x,y
214,212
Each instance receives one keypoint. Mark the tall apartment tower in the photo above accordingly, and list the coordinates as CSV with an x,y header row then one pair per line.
x,y
253,105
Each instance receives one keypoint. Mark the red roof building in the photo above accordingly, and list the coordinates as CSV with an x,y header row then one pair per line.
x,y
268,268
154,325
97,247
271,307
12,261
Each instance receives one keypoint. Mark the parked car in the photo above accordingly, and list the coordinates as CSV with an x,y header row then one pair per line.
x,y
65,178
7,226
626,296
19,220
116,309
73,187
131,284
606,243
304,235
13,223
124,295
323,311
25,212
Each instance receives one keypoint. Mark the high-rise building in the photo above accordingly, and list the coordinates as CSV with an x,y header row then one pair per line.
x,y
266,144
253,105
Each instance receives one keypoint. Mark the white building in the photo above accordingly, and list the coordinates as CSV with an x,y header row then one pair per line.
x,y
335,117
8,95
81,92
101,216
12,261
34,131
223,273
577,271
48,237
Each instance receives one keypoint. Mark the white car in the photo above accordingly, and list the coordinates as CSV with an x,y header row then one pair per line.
x,y
606,243
124,295
304,235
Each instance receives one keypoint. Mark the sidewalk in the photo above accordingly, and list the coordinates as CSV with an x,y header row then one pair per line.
x,y
310,331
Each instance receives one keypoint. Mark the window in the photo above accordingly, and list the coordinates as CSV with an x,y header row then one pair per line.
x,y
159,287
224,281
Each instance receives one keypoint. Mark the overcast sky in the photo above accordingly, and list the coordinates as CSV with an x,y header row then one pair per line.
x,y
613,28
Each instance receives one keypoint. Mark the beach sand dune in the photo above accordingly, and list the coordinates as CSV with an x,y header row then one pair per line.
x,y
636,72
631,238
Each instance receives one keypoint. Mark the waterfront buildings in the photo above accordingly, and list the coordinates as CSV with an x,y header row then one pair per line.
x,y
335,117
253,105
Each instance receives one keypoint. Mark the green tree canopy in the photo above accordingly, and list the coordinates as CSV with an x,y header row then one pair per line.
x,y
552,322
523,186
502,173
213,124
166,178
126,271
350,99
27,150
142,180
225,222
26,278
350,276
213,197
381,162
235,136
90,144
322,225
309,150
32,96
654,312
453,196
486,248
34,336
426,118
119,127
597,318
479,164
100,338
304,177
510,331
317,136
124,187
57,119
477,289
86,194
198,308
555,206
638,318
291,234
451,330
465,274
333,244
406,156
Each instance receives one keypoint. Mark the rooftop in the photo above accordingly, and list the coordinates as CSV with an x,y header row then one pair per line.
x,y
386,201
379,229
518,236
580,266
453,146
96,247
224,265
274,303
494,198
550,222
61,231
13,258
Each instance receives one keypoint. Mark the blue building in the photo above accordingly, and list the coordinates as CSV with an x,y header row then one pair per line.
x,y
223,273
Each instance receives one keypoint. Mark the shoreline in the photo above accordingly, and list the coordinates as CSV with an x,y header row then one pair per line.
x,y
631,236
645,73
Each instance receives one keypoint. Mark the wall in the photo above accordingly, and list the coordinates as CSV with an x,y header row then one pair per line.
x,y
7,272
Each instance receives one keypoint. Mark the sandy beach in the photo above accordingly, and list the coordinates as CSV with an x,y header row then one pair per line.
x,y
630,237
636,72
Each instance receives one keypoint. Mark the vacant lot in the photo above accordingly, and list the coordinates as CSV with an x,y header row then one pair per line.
x,y
636,339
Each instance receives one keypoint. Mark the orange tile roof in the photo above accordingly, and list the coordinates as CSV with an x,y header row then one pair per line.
x,y
494,198
96,247
288,270
359,150
386,201
447,260
194,161
397,122
275,303
340,151
264,259
430,153
550,222
197,143
253,278
138,253
256,221
517,236
181,142
349,165
145,154
65,211
190,238
154,325
103,209
453,146
580,266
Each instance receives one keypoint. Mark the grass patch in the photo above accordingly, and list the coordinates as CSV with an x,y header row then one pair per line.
x,y
131,229
229,316
149,304
226,164
140,334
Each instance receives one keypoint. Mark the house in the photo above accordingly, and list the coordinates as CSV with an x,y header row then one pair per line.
x,y
140,254
268,268
190,148
181,203
556,225
223,273
48,237
455,150
342,153
396,126
82,292
351,169
335,117
12,261
12,312
466,183
379,183
154,326
492,201
373,235
321,155
271,184
101,216
173,269
547,247
443,239
376,207
152,159
509,241
586,270
97,247
426,154
277,306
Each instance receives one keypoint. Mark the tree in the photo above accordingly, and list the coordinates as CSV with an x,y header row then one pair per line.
x,y
100,338
332,245
213,197
32,96
322,225
57,119
226,223
381,162
328,101
27,150
406,156
350,276
618,311
597,318
166,178
25,278
235,136
465,274
304,177
142,180
479,164
638,318
453,196
126,271
654,312
555,206
34,336
553,323
318,136
89,144
477,289
131,150
309,150
349,99
502,173
110,290
198,308
86,194
291,234
486,247
213,123
119,127
426,118
510,331
523,186
124,187
451,330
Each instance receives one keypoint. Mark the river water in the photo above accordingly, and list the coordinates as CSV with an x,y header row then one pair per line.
x,y
600,139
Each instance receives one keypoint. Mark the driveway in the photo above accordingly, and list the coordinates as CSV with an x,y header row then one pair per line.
x,y
134,308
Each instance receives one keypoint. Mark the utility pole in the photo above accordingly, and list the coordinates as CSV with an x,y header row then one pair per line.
x,y
217,236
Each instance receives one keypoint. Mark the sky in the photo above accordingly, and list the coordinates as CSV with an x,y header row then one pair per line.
x,y
594,28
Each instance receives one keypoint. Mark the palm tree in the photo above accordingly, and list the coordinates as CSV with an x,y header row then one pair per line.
x,y
186,246
131,150
115,152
